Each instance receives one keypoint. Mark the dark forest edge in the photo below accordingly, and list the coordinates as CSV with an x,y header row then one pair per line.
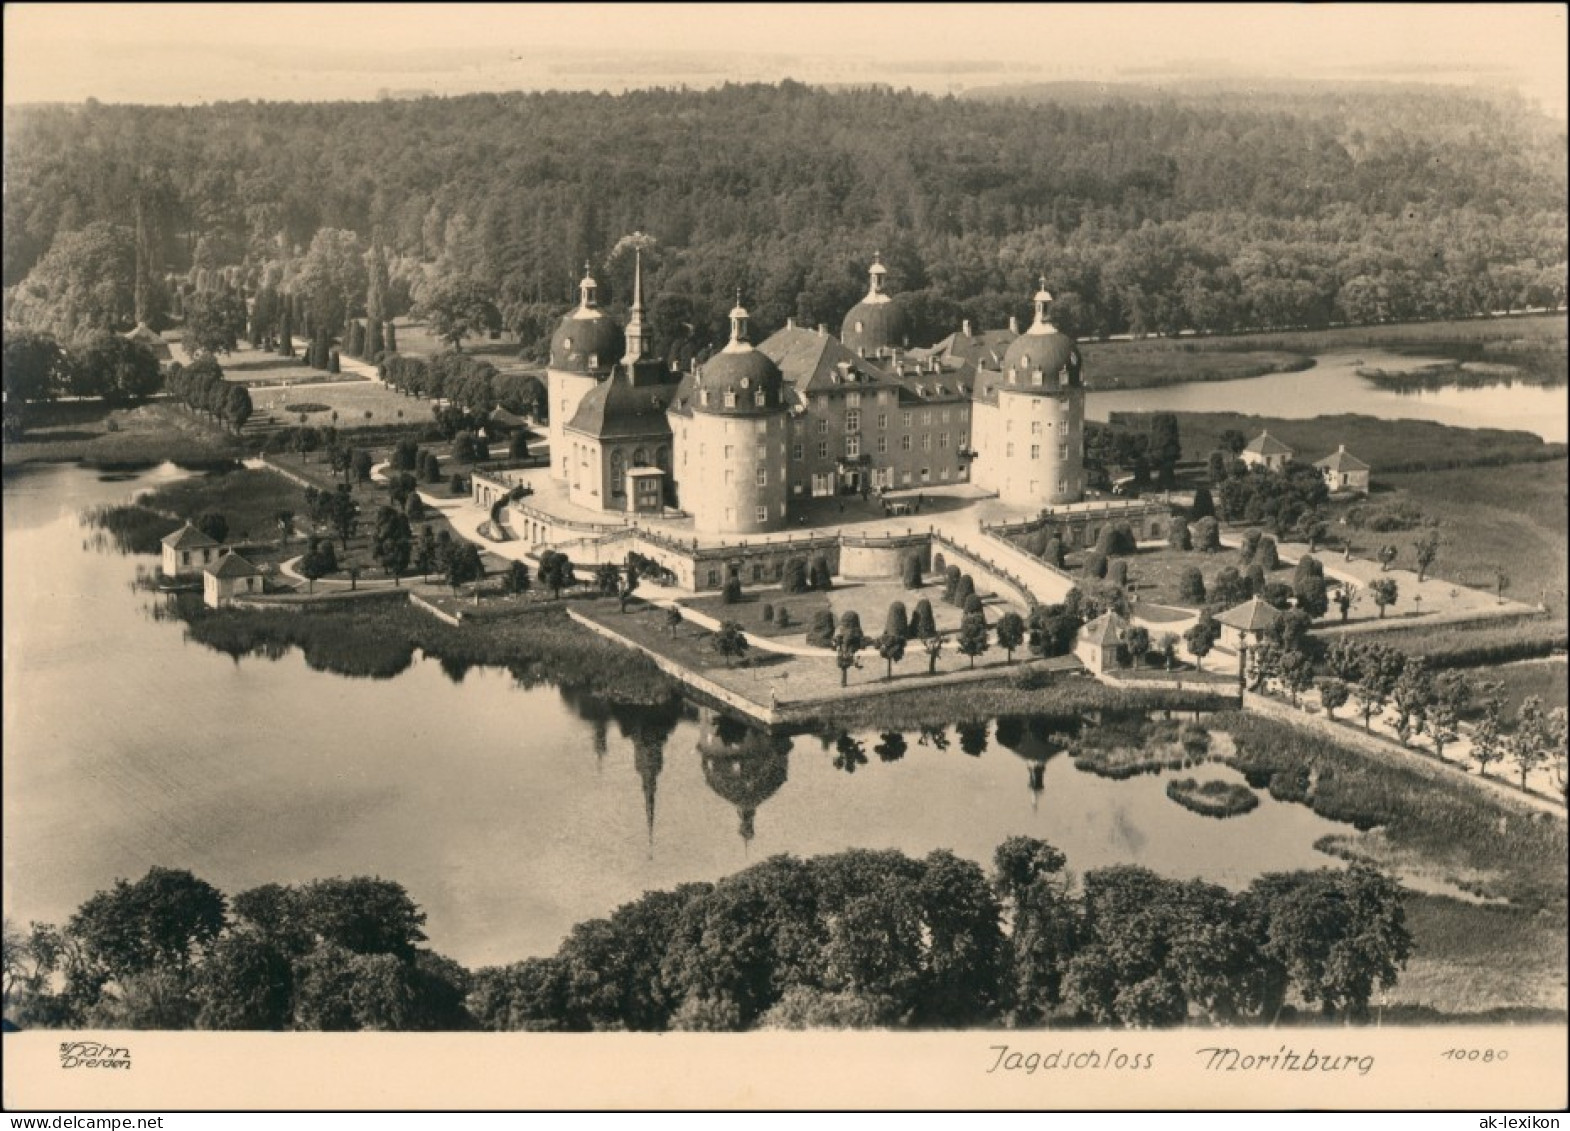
x,y
857,939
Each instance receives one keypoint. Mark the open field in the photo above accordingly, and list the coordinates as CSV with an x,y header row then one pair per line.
x,y
261,369
1511,518
248,499
1468,958
109,437
1386,445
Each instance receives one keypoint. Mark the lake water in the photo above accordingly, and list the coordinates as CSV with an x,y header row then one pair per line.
x,y
1333,387
508,813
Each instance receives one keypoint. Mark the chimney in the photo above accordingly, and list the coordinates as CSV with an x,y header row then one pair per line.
x,y
1013,324
790,323
1341,448
964,328
822,329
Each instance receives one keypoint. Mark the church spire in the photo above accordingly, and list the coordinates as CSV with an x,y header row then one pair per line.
x,y
637,333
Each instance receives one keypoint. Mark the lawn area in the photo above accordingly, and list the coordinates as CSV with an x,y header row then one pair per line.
x,y
1511,518
1146,364
259,369
1154,574
249,500
870,601
144,435
1386,445
791,677
1549,680
357,403
1479,643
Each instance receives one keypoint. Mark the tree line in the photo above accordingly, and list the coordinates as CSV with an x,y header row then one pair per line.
x,y
101,365
855,939
1150,217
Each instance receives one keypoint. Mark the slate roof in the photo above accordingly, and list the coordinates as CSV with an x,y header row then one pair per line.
x,y
1265,444
143,335
188,538
1252,615
231,565
618,409
811,362
1107,629
1342,460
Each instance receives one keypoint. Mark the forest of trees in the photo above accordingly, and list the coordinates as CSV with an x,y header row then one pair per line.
x,y
852,940
1147,216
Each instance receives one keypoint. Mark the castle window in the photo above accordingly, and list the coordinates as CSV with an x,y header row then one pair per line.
x,y
618,471
1036,378
860,325
759,398
820,401
853,420
730,451
640,458
823,449
853,445
823,427
729,475
852,400
944,473
762,515
906,418
945,416
1035,427
1061,486
714,577
883,420
730,398
883,444
1062,451
796,452
1008,425
964,413
763,477
926,416
926,441
1035,451
1010,450
943,439
904,442
703,398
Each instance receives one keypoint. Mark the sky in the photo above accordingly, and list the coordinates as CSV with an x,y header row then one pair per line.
x,y
214,52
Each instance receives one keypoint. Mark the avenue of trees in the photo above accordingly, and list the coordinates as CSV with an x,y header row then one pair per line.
x,y
856,939
1148,216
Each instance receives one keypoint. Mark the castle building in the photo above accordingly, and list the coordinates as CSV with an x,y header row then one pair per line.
x,y
754,428
1030,418
730,425
583,349
618,433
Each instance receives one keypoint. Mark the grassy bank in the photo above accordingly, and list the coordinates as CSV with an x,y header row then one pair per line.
x,y
1413,337
1152,363
1386,445
1489,518
143,436
1519,858
1479,643
378,640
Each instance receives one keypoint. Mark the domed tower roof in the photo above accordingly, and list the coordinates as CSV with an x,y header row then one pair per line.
x,y
739,380
876,322
587,340
1042,348
746,770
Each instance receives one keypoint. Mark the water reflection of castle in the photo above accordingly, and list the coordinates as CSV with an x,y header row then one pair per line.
x,y
744,766
1037,740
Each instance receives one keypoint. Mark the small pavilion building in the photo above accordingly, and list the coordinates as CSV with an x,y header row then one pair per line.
x,y
230,576
187,551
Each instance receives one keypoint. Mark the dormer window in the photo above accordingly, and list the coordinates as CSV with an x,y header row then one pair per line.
x,y
759,398
594,361
703,397
1013,377
567,344
730,398
860,325
1037,377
